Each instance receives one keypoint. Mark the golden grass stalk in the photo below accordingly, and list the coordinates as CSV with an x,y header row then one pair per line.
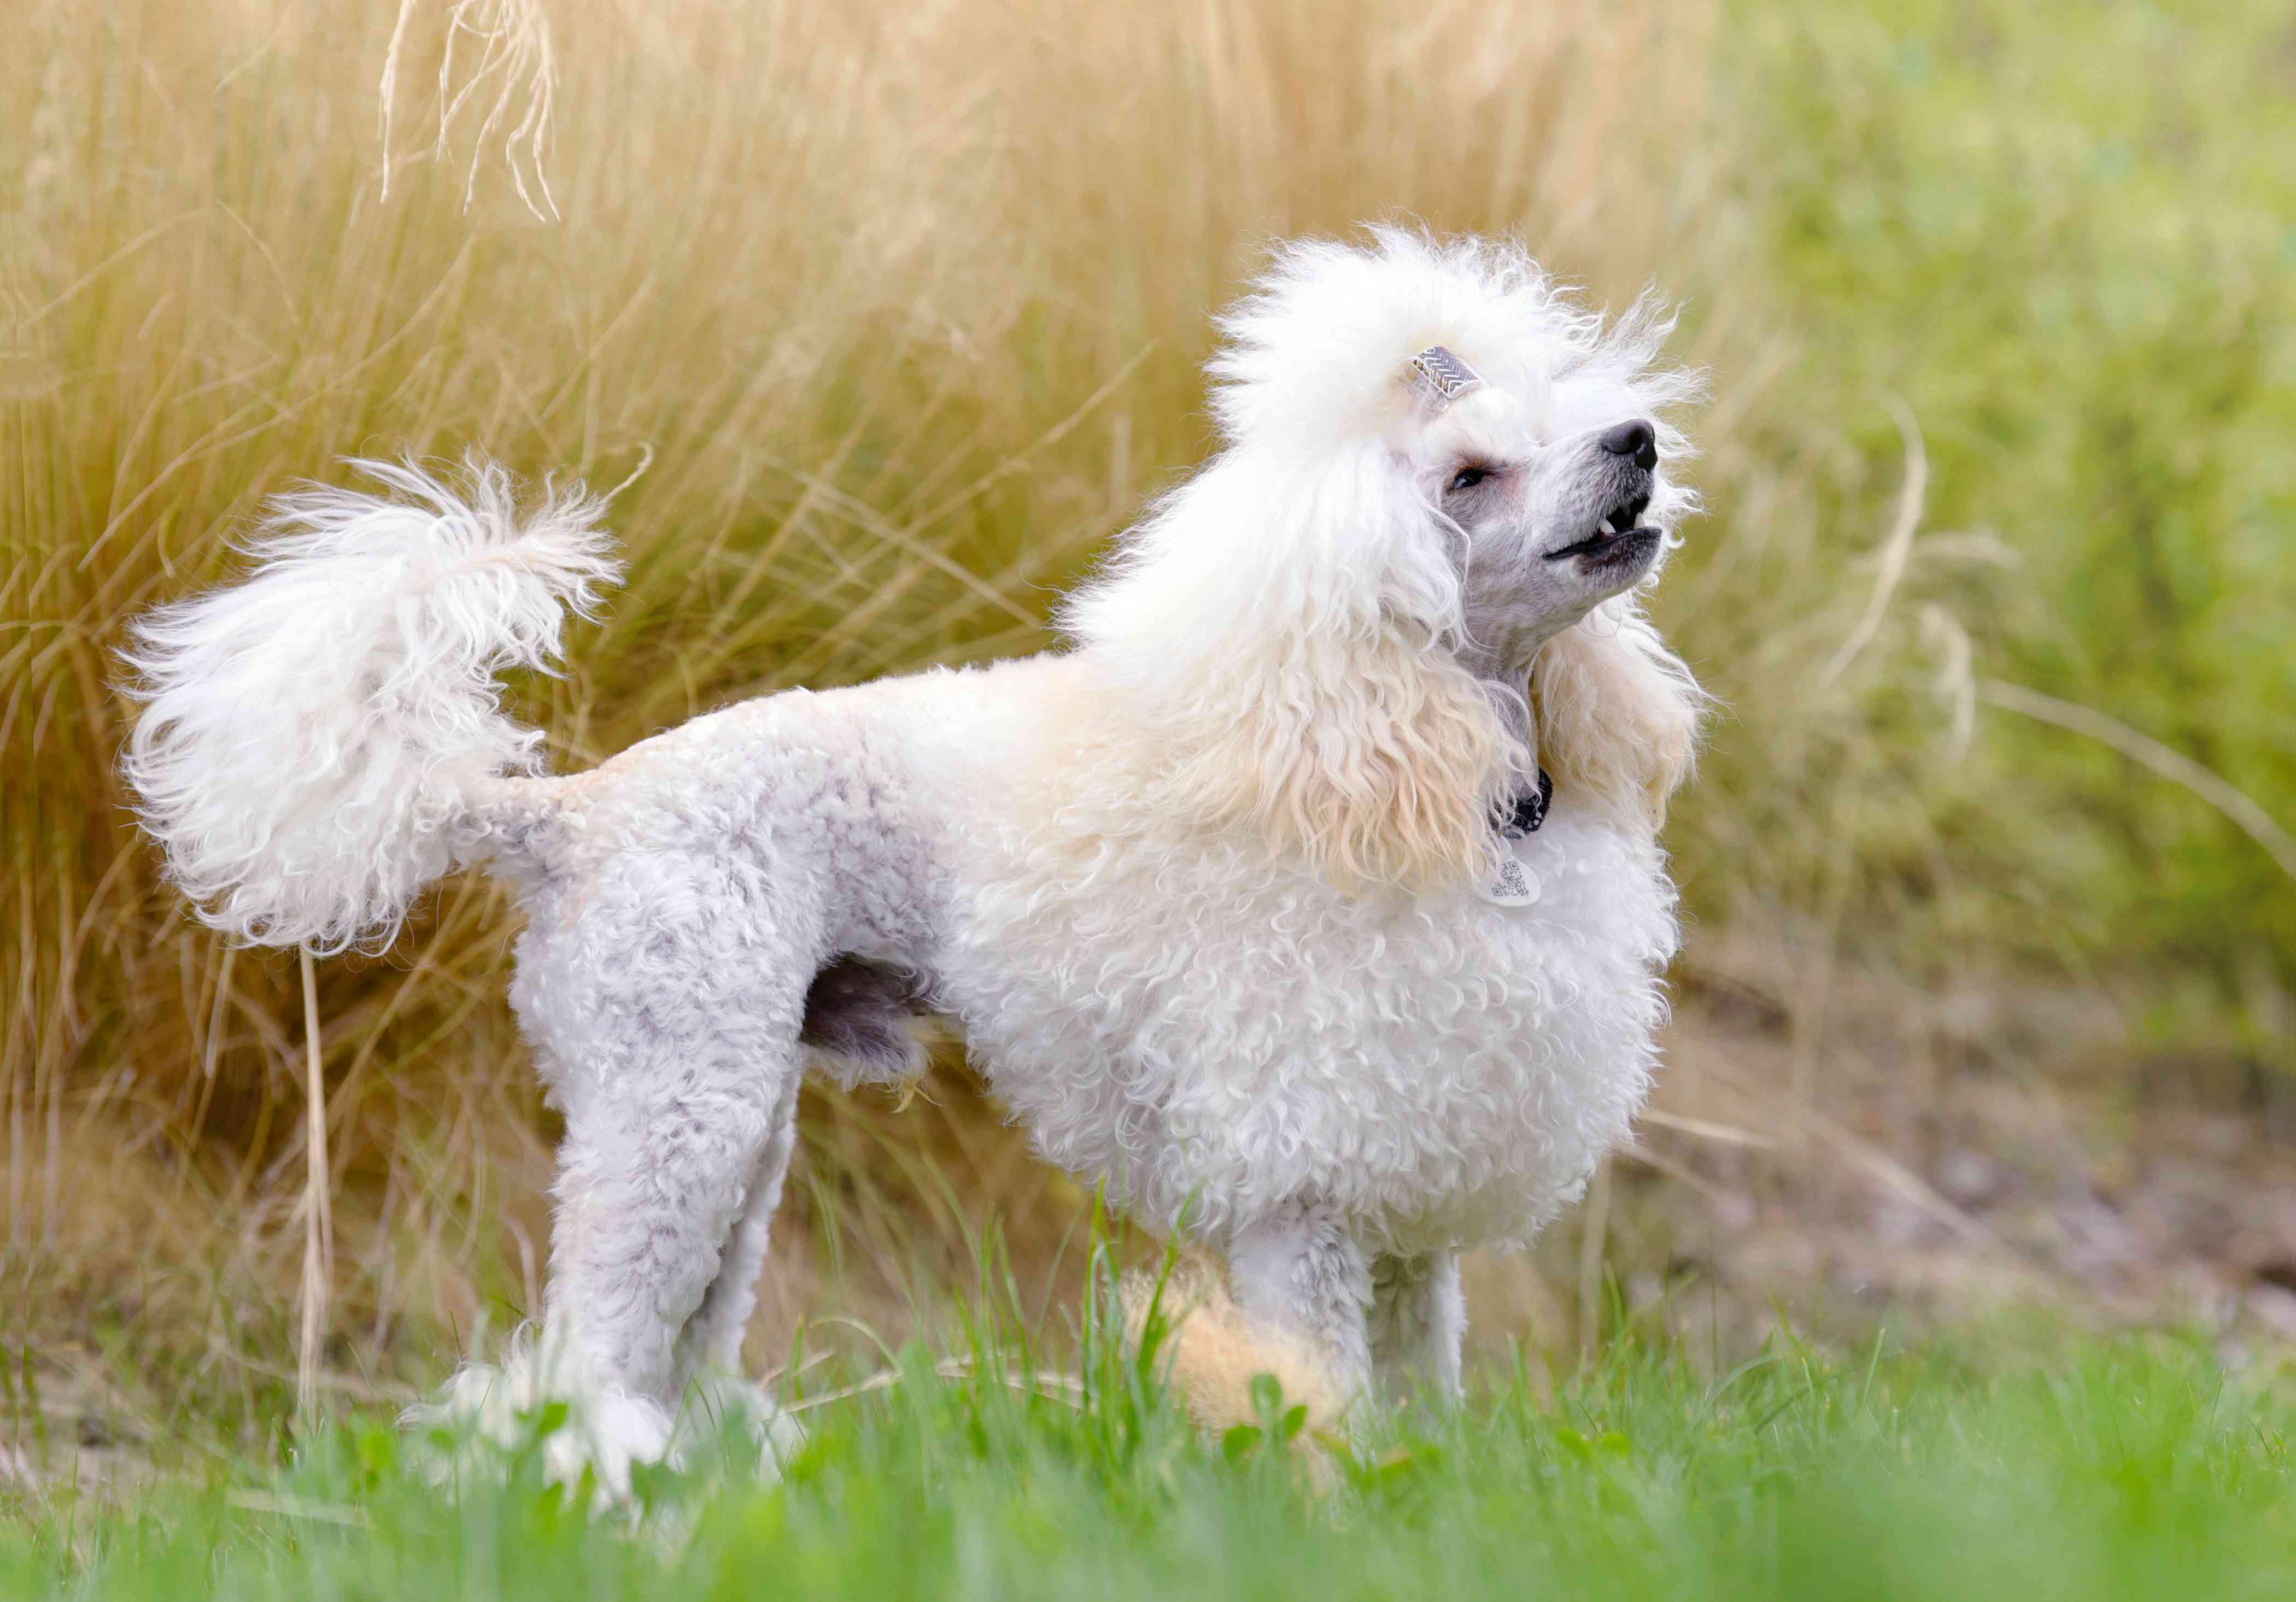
x,y
318,1211
2141,749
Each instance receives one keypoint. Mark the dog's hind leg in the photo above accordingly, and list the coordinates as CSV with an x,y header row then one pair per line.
x,y
718,1398
670,1013
657,1174
656,1180
711,1342
650,1188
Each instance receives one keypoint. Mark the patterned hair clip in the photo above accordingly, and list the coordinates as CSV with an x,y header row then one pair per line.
x,y
1441,376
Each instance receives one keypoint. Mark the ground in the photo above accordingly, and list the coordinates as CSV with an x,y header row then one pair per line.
x,y
2124,1467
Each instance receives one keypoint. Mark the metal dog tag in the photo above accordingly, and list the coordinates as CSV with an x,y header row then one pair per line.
x,y
1515,886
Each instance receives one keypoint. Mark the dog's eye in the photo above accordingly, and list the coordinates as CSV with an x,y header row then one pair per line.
x,y
1467,478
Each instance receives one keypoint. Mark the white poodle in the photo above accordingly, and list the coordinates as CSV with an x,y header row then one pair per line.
x,y
1249,902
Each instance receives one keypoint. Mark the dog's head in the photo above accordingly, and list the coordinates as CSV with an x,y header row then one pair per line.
x,y
1409,577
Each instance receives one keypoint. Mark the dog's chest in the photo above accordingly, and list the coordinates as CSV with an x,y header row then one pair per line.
x,y
1192,1030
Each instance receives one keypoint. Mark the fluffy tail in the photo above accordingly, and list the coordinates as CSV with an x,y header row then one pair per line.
x,y
313,736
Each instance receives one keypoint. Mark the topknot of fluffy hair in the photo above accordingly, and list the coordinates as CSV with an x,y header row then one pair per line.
x,y
1315,352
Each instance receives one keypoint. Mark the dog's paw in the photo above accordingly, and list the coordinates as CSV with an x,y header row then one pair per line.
x,y
727,1413
486,1412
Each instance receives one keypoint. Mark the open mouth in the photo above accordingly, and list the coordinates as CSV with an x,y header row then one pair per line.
x,y
1618,533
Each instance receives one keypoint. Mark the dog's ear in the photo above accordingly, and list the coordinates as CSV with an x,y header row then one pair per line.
x,y
1616,713
1279,632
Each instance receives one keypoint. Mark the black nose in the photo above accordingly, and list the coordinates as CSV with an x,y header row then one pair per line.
x,y
1638,439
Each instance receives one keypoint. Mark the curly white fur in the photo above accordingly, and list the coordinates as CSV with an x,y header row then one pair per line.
x,y
1203,892
486,1409
310,737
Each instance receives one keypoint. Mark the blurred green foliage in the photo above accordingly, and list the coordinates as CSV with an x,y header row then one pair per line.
x,y
2063,234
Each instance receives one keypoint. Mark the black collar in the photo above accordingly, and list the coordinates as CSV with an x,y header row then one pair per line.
x,y
1527,811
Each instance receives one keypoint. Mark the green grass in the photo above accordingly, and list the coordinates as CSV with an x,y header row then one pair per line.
x,y
2116,1470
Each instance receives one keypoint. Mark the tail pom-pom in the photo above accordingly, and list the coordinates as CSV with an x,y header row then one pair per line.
x,y
311,736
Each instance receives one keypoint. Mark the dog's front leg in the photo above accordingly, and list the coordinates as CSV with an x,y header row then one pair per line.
x,y
1300,1271
1418,1323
